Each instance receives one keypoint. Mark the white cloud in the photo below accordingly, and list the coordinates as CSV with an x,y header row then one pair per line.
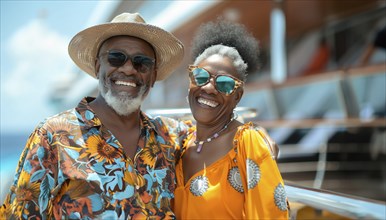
x,y
36,57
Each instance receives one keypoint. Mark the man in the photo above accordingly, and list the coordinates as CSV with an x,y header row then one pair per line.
x,y
105,159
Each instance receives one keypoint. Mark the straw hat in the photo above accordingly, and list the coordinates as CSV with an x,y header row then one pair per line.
x,y
84,46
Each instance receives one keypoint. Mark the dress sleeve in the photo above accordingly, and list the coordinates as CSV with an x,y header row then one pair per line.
x,y
29,195
265,196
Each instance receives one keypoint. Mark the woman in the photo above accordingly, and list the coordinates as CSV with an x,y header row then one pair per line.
x,y
227,169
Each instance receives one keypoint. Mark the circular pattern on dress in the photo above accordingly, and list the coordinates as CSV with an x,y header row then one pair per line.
x,y
280,197
234,179
199,185
253,173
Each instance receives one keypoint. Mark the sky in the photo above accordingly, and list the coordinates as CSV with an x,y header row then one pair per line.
x,y
34,57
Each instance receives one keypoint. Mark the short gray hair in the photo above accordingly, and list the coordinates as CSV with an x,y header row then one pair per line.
x,y
225,51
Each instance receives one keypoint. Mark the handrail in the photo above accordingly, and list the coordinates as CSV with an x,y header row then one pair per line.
x,y
341,204
324,76
309,123
367,70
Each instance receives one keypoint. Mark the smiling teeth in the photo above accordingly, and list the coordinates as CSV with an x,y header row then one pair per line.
x,y
207,102
126,83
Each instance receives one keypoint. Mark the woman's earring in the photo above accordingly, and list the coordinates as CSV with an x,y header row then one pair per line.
x,y
235,115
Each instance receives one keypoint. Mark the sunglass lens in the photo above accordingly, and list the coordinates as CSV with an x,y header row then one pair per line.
x,y
225,84
201,76
116,58
142,63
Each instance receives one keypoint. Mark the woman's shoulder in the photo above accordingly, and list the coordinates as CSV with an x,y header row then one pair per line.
x,y
255,139
251,128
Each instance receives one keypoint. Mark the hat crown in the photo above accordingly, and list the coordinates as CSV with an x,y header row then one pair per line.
x,y
128,17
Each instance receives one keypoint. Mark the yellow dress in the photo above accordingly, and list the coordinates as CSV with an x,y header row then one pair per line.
x,y
244,184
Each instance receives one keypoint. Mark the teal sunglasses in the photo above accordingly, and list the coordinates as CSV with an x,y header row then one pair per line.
x,y
223,83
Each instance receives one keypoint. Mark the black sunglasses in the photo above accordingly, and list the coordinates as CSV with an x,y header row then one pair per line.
x,y
223,83
141,63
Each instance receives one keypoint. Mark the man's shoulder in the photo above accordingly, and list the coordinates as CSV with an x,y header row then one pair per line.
x,y
170,123
62,118
64,114
161,121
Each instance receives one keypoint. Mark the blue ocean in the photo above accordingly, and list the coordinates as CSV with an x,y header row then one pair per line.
x,y
11,147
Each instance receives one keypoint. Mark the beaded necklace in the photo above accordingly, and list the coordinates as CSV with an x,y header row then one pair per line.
x,y
214,136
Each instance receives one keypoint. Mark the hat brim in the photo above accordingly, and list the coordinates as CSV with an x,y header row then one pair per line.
x,y
84,46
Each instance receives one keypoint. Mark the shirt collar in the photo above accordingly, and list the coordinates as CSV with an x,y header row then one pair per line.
x,y
87,116
147,122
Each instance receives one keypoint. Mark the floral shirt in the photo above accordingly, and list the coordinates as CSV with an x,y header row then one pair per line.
x,y
74,168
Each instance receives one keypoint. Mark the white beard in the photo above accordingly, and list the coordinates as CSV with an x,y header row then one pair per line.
x,y
122,102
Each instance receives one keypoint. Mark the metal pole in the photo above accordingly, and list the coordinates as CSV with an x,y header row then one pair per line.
x,y
278,47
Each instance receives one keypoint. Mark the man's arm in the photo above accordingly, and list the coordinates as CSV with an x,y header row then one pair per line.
x,y
30,192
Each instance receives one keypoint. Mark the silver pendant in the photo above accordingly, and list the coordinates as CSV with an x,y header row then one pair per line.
x,y
280,197
253,173
234,179
199,185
